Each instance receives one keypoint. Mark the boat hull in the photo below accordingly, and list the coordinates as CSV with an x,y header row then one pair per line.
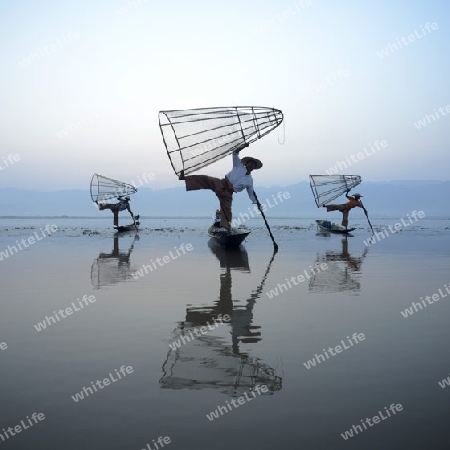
x,y
231,240
125,228
325,225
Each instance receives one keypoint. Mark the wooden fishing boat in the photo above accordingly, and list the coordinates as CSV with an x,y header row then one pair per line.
x,y
326,225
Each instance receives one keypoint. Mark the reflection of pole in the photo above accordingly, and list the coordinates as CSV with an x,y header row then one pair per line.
x,y
249,308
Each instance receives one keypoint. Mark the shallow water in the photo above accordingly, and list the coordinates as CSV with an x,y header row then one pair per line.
x,y
139,312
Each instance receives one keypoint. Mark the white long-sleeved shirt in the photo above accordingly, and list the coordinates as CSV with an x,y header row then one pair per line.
x,y
238,178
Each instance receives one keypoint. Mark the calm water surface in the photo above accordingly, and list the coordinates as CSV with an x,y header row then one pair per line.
x,y
151,300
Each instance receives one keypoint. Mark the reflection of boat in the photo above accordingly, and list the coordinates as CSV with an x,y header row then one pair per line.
x,y
342,273
114,267
210,360
326,225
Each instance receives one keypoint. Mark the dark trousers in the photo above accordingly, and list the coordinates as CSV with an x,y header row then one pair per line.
x,y
223,190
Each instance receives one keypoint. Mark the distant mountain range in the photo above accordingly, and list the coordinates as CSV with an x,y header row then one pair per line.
x,y
381,199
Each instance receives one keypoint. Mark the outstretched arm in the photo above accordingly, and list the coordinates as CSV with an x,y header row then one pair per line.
x,y
236,159
251,194
241,147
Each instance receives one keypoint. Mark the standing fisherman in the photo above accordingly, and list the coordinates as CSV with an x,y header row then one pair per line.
x,y
346,207
124,203
238,179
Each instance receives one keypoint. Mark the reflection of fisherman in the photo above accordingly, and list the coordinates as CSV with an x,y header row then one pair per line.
x,y
346,207
353,263
124,203
212,363
238,179
113,267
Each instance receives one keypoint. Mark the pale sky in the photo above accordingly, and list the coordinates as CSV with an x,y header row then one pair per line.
x,y
108,67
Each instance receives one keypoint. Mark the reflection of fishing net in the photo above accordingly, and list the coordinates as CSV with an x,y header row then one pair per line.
x,y
114,267
109,271
104,188
195,138
326,188
208,362
342,274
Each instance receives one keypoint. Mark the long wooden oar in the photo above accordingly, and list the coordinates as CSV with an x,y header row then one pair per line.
x,y
275,245
365,212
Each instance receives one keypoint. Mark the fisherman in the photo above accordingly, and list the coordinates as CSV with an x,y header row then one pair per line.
x,y
238,179
124,203
346,207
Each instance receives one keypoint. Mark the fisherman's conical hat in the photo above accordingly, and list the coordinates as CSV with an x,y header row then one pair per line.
x,y
246,159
